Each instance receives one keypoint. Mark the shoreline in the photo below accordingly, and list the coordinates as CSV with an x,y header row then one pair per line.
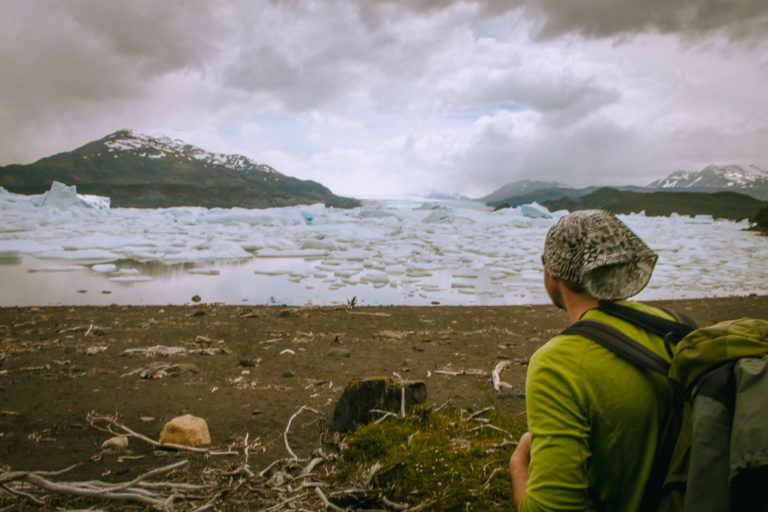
x,y
339,305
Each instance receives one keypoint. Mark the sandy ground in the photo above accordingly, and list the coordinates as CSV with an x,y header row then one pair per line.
x,y
247,370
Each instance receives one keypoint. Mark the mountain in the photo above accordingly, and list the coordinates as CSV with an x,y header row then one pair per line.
x,y
527,191
520,188
137,170
752,181
704,193
725,205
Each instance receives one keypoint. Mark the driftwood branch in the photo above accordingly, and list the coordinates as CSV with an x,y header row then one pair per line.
x,y
96,489
385,415
452,373
288,427
496,376
325,501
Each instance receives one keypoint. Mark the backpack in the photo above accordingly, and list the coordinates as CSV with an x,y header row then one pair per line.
x,y
714,456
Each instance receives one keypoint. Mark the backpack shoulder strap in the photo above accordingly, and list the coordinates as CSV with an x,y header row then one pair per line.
x,y
619,343
670,331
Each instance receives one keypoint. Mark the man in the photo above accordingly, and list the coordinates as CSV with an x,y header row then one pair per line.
x,y
596,421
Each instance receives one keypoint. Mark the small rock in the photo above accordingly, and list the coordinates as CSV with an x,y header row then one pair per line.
x,y
339,352
417,348
117,444
289,373
187,430
197,312
196,298
388,334
256,412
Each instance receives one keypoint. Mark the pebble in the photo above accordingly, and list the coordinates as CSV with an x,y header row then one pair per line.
x,y
198,312
339,352
289,373
256,412
115,444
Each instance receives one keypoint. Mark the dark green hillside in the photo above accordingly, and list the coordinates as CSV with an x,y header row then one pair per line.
x,y
720,205
547,194
760,220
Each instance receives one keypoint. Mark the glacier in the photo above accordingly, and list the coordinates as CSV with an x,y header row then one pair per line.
x,y
65,248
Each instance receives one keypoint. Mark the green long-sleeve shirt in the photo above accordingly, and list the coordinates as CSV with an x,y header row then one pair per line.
x,y
595,422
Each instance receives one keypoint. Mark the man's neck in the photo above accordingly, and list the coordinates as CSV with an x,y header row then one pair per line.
x,y
576,304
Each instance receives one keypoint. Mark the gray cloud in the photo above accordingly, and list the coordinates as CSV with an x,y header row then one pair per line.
x,y
738,19
158,37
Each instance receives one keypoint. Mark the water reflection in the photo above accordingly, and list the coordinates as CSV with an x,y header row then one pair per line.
x,y
295,281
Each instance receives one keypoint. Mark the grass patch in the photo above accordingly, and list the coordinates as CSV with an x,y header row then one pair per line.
x,y
452,459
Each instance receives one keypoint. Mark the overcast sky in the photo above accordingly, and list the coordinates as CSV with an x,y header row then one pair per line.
x,y
410,96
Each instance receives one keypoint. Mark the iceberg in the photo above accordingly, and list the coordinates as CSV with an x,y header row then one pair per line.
x,y
63,196
535,211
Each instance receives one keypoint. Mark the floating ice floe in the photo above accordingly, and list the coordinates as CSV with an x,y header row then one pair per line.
x,y
104,267
204,271
58,268
131,279
291,253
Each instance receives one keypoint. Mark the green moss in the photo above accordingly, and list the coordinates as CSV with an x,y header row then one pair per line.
x,y
446,459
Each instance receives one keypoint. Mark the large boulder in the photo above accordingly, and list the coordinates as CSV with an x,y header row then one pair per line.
x,y
187,430
381,393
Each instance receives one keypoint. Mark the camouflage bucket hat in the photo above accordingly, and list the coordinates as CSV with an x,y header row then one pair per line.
x,y
596,250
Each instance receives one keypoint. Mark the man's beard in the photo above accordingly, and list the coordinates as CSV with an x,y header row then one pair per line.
x,y
555,295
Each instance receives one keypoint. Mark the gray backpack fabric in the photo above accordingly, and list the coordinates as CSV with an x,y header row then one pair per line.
x,y
729,450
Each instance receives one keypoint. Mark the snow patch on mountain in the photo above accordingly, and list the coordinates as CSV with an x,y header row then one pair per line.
x,y
146,146
715,177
